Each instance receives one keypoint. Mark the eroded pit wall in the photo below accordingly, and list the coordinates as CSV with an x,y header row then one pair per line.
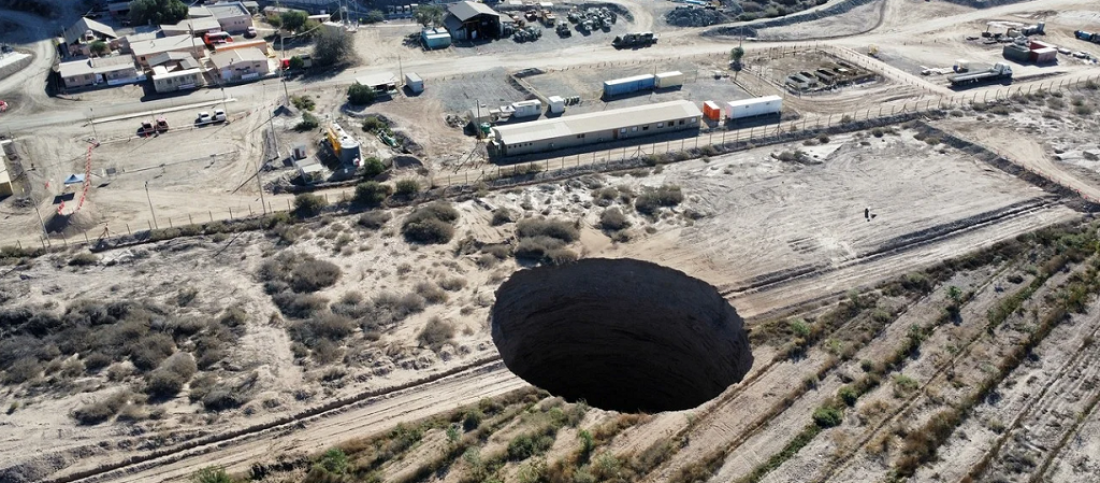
x,y
620,334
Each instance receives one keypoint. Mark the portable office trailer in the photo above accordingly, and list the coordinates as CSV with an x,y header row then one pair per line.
x,y
527,108
669,79
414,82
759,106
557,104
626,85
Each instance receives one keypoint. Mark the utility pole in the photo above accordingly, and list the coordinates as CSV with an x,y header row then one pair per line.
x,y
91,120
263,205
45,233
151,206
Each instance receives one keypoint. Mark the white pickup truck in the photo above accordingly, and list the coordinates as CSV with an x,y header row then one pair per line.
x,y
205,118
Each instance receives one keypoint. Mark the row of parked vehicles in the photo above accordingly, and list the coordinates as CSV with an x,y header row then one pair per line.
x,y
160,124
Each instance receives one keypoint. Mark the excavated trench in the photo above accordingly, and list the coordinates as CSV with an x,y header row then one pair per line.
x,y
620,334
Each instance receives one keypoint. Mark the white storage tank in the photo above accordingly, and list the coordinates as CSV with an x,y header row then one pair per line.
x,y
670,79
527,108
759,106
414,83
557,104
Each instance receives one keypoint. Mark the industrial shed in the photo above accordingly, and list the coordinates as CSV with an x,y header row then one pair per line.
x,y
594,128
473,21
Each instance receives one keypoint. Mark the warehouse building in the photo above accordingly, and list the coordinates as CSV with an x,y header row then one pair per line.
x,y
594,128
232,16
473,21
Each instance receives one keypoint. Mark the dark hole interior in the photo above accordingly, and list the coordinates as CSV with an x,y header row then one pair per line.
x,y
620,334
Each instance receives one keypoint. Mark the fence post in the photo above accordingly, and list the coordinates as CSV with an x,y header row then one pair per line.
x,y
189,220
230,213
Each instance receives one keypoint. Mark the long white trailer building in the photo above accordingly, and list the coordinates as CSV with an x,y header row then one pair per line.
x,y
594,127
758,106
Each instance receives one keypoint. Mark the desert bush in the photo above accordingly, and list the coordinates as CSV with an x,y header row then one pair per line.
x,y
223,397
537,248
211,474
560,256
452,284
83,260
162,384
436,333
308,204
148,352
309,122
324,352
502,216
827,417
430,223
848,394
612,219
877,132
324,326
374,220
525,446
1083,110
304,103
299,306
372,193
100,411
652,199
561,230
22,370
431,292
96,361
372,166
301,272
388,308
407,187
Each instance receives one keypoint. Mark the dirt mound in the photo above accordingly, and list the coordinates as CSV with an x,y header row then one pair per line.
x,y
623,335
72,223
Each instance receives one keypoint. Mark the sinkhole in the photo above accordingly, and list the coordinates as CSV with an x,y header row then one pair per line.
x,y
620,334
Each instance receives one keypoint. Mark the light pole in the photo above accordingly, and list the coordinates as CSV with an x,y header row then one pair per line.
x,y
91,120
151,206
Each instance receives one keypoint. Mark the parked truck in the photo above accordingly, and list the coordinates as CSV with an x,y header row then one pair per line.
x,y
999,71
642,39
1087,36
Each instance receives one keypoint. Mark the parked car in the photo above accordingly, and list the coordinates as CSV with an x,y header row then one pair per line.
x,y
219,116
250,33
204,118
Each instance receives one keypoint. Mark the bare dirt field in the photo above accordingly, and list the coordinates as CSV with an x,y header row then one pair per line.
x,y
918,308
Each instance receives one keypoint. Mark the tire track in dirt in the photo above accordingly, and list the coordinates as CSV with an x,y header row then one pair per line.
x,y
837,466
335,421
1037,425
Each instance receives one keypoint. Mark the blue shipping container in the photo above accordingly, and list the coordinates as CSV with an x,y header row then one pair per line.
x,y
627,85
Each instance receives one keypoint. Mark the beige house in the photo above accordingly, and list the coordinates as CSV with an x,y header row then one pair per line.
x,y
164,81
196,26
145,50
233,16
240,65
112,71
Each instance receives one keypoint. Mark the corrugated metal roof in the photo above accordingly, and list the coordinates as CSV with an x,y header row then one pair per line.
x,y
467,10
595,122
199,24
99,65
378,79
222,60
165,44
77,30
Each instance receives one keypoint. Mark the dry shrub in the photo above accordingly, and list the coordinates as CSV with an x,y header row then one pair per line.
x,y
436,333
22,370
612,219
561,230
430,223
373,220
150,351
299,306
452,284
652,199
431,292
502,216
322,327
300,272
83,260
388,308
100,411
